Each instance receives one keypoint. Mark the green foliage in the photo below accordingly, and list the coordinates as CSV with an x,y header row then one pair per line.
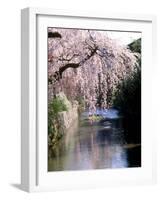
x,y
135,46
128,100
56,105
128,95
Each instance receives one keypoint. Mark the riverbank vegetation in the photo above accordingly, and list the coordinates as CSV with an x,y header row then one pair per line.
x,y
127,98
56,106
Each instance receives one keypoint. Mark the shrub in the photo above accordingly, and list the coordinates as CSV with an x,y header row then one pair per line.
x,y
55,106
128,100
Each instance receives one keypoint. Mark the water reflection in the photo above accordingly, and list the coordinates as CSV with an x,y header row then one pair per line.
x,y
96,146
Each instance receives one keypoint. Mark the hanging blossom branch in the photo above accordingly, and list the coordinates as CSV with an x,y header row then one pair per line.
x,y
101,64
58,74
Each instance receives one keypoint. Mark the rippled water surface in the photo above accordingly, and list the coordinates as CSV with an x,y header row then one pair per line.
x,y
94,145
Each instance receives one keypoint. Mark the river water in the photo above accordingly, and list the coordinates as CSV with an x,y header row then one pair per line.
x,y
95,145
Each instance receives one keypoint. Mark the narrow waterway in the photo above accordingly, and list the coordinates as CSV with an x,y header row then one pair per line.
x,y
95,144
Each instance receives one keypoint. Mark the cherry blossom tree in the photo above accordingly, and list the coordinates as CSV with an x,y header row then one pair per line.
x,y
86,64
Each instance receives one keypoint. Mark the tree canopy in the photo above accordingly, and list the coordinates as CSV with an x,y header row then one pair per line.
x,y
86,64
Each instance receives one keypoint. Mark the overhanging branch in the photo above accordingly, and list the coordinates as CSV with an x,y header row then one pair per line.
x,y
58,74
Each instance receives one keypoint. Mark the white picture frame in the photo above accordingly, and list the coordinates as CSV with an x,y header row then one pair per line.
x,y
34,176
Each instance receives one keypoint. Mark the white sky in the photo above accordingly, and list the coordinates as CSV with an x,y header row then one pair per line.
x,y
123,38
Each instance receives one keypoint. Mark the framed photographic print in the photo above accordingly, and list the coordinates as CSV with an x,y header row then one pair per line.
x,y
86,106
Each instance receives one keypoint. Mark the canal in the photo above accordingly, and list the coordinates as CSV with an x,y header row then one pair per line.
x,y
95,144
